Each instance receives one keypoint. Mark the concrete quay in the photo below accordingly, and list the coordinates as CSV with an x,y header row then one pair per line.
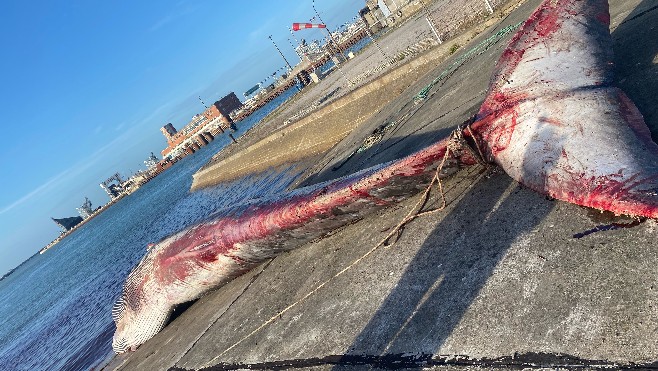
x,y
504,278
325,113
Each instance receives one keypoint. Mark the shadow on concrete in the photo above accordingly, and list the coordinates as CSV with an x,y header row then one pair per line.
x,y
635,43
423,361
450,269
386,150
458,257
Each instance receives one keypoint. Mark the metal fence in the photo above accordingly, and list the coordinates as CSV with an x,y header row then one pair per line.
x,y
450,17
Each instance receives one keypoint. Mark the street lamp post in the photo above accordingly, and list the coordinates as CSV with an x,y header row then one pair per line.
x,y
279,50
288,64
489,7
429,21
372,37
202,103
300,55
327,29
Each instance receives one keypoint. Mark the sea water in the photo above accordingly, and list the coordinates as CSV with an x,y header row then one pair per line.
x,y
55,308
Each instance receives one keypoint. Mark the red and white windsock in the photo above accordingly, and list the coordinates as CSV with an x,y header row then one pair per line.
x,y
301,26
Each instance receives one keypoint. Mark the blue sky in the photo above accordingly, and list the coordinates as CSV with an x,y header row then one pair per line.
x,y
86,85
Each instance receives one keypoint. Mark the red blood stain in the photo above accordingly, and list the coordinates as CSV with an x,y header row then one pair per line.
x,y
547,21
552,121
502,135
207,256
366,195
603,16
202,244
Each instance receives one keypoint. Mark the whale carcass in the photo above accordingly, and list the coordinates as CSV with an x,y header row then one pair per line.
x,y
551,119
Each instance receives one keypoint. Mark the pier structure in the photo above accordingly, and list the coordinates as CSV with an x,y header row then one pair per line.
x,y
302,71
113,185
200,131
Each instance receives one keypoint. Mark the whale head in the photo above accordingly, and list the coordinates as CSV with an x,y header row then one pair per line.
x,y
135,325
139,313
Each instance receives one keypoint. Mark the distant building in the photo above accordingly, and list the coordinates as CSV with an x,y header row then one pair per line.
x,y
85,209
66,224
197,121
373,16
113,186
168,130
213,113
313,48
201,130
251,91
228,104
151,161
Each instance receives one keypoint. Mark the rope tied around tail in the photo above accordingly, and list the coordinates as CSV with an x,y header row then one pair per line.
x,y
456,145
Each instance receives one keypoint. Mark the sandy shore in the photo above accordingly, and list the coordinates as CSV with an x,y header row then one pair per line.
x,y
498,280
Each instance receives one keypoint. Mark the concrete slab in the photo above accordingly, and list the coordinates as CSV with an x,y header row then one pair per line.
x,y
503,278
